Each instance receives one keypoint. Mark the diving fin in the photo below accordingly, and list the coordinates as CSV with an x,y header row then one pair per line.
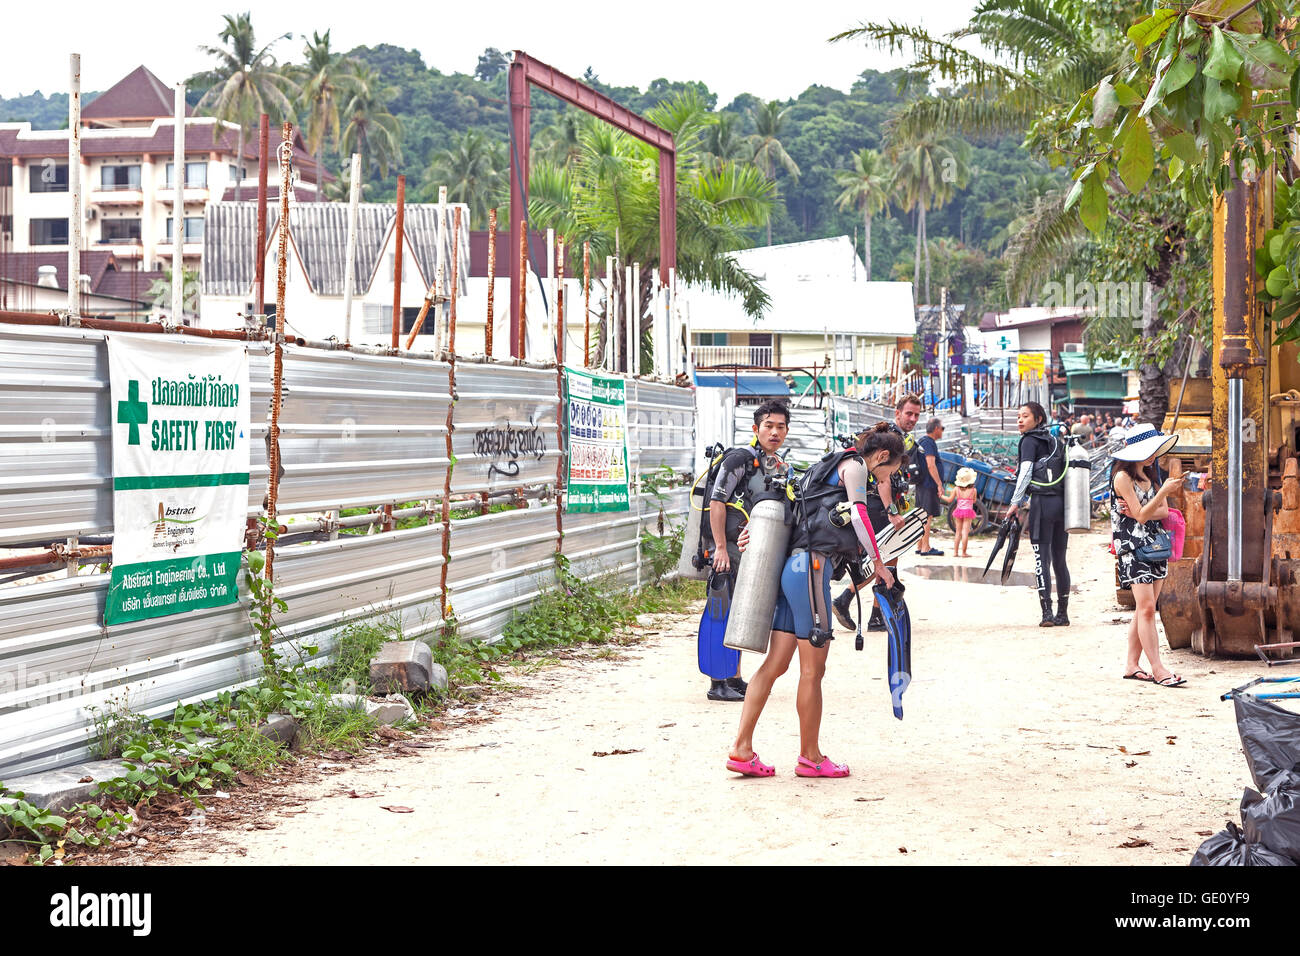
x,y
718,596
1003,528
717,661
1013,543
898,625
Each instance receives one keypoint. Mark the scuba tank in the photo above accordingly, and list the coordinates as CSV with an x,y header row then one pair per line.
x,y
749,625
1078,490
690,563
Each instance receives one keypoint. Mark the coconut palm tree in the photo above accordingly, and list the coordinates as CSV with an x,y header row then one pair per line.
x,y
371,130
929,169
473,172
723,143
769,153
245,83
322,83
866,187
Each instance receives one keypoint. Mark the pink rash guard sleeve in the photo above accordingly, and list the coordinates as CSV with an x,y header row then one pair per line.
x,y
853,474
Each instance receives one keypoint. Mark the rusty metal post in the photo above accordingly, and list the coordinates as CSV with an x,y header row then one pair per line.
x,y
586,305
519,281
561,329
263,161
455,280
399,236
282,274
491,277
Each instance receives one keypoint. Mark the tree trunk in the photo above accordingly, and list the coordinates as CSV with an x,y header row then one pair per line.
x,y
925,244
916,265
866,249
239,173
1153,384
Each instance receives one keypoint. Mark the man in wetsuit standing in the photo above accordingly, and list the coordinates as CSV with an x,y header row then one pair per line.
x,y
906,414
742,475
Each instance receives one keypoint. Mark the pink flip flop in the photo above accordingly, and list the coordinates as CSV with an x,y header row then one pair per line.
x,y
753,767
827,768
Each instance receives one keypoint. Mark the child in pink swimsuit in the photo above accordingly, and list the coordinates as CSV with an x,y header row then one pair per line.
x,y
964,513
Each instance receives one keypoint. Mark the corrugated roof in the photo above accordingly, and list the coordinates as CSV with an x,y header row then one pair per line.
x,y
319,232
106,277
1076,363
138,95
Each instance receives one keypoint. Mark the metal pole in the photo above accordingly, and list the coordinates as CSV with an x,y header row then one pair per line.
x,y
1234,479
586,305
491,277
350,266
674,332
690,356
263,162
627,320
282,270
548,323
521,317
178,209
561,330
440,276
74,188
399,237
634,310
609,358
455,280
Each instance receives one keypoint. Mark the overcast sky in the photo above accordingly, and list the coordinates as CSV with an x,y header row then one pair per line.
x,y
772,49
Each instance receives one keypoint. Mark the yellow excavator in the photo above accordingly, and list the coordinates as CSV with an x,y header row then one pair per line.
x,y
1236,590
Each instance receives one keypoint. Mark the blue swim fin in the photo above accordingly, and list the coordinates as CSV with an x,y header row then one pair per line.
x,y
898,625
716,661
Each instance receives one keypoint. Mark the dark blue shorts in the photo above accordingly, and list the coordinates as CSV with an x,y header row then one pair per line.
x,y
794,612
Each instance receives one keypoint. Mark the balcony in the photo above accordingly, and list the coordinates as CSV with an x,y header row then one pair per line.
x,y
709,356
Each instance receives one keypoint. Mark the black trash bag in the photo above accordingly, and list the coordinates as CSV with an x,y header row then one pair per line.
x,y
1232,847
1270,737
1275,815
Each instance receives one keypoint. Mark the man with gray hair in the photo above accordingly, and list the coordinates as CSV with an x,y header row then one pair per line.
x,y
928,482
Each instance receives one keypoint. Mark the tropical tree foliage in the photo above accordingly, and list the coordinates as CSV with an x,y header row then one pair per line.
x,y
322,83
246,82
473,172
929,169
867,188
769,152
371,130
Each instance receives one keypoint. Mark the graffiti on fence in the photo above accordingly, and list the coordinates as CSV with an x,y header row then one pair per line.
x,y
505,444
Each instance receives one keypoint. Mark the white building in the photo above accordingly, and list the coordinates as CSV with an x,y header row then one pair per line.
x,y
821,306
127,149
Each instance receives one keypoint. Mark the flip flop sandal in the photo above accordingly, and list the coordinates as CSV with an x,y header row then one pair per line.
x,y
1173,680
753,767
1141,675
827,768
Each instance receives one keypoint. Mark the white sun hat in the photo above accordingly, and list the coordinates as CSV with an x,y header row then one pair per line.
x,y
1143,441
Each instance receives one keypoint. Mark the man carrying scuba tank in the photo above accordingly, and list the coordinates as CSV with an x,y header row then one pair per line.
x,y
892,495
735,479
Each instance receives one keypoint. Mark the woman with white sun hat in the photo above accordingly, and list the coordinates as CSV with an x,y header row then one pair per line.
x,y
1138,505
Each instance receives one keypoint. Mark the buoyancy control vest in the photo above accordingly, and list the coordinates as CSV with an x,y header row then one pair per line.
x,y
1048,472
748,492
820,520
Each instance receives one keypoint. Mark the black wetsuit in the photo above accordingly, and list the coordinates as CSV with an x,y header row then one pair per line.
x,y
1046,512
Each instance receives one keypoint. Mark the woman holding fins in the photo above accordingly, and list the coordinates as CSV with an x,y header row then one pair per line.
x,y
842,514
1040,480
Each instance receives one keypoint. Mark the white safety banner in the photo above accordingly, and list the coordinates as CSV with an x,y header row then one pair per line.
x,y
180,419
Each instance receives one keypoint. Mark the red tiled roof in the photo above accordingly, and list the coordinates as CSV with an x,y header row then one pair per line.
x,y
99,264
201,136
138,95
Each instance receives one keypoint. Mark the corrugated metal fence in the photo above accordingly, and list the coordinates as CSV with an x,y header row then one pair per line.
x,y
356,431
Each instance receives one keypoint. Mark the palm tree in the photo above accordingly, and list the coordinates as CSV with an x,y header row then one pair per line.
x,y
929,169
769,153
245,83
610,197
473,172
722,142
323,83
160,291
866,187
371,130
560,142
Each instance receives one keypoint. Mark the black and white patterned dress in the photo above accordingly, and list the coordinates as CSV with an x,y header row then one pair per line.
x,y
1128,535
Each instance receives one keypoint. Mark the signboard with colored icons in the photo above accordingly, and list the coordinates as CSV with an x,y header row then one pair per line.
x,y
597,425
180,419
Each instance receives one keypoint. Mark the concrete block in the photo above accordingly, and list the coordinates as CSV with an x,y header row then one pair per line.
x,y
392,709
59,789
280,728
405,666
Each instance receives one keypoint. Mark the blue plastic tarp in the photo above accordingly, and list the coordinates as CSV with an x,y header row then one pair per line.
x,y
747,383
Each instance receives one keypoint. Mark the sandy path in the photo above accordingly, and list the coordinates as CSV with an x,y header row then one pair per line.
x,y
1008,754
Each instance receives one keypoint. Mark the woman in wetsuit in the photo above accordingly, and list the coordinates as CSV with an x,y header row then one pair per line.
x,y
1039,480
803,606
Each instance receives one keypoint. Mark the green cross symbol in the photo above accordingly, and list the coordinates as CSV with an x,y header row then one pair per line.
x,y
133,412
1004,342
